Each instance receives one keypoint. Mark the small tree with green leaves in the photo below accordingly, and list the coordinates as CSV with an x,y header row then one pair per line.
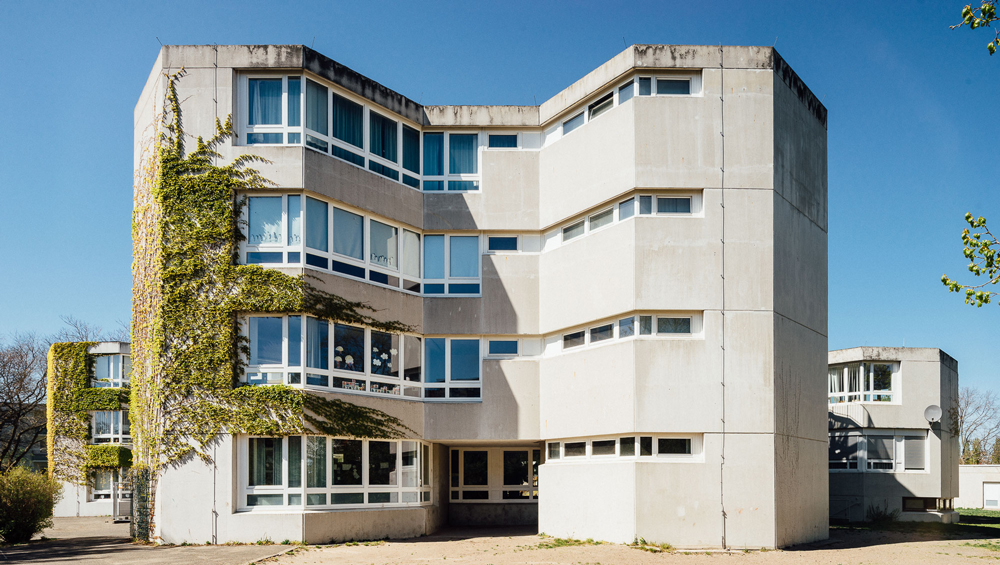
x,y
976,453
995,452
979,17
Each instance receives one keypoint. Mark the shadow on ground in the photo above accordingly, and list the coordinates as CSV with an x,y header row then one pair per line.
x,y
866,535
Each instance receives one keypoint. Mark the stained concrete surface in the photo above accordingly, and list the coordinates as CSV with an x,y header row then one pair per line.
x,y
99,541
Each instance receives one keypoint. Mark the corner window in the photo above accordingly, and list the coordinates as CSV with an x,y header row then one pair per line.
x,y
264,102
626,209
455,272
463,154
626,327
626,92
861,382
452,368
574,230
645,86
554,449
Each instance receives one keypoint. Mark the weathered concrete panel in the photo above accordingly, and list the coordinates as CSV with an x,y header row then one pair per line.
x,y
801,501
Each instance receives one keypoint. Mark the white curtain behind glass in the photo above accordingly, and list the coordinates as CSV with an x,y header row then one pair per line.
x,y
383,245
265,220
265,102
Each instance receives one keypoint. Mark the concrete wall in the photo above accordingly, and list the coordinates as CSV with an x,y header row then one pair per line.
x,y
971,479
493,514
76,502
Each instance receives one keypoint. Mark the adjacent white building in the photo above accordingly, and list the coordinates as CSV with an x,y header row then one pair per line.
x,y
892,446
619,301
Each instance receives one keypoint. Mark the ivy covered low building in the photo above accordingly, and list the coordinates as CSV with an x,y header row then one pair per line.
x,y
356,316
89,439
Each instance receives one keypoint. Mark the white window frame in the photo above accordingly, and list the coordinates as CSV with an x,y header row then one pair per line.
x,y
448,280
866,393
488,133
697,330
697,454
117,436
488,251
898,460
283,128
423,486
486,347
120,376
450,383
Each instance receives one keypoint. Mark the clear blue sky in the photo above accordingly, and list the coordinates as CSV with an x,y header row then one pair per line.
x,y
912,129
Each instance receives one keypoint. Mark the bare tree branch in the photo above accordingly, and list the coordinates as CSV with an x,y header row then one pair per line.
x,y
22,397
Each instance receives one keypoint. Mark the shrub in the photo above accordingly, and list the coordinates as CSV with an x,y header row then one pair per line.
x,y
26,502
876,514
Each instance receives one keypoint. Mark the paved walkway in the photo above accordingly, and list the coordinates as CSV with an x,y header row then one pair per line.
x,y
98,541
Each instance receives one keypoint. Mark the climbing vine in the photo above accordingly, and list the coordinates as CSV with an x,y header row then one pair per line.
x,y
188,291
70,400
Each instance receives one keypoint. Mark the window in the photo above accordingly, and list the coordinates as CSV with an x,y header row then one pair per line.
x,y
575,449
362,472
112,371
645,446
554,449
673,86
670,205
502,141
602,219
452,367
111,426
603,447
843,451
574,339
626,447
626,92
574,230
912,504
348,121
645,325
645,86
880,450
273,110
502,347
362,360
101,481
265,225
433,159
914,453
673,325
461,263
411,155
626,209
382,141
265,102
573,123
494,474
602,333
383,245
502,243
673,446
861,382
626,327
602,105
645,205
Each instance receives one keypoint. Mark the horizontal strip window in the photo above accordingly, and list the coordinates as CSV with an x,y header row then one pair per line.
x,y
680,205
301,230
309,352
688,325
674,447
296,110
879,451
320,472
494,474
863,382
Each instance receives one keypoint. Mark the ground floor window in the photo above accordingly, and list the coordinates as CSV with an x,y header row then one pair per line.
x,y
326,472
495,474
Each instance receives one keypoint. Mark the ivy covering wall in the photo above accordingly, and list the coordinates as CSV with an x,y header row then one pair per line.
x,y
188,291
70,401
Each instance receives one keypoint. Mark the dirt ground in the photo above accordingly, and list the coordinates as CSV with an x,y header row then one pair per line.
x,y
508,547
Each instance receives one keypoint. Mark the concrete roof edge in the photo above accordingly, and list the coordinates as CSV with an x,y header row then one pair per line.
x,y
889,353
791,79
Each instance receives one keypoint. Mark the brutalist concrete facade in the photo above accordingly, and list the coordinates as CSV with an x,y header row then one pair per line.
x,y
667,291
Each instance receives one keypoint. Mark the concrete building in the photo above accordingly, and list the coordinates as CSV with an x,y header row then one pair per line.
x,y
892,446
619,299
978,487
86,490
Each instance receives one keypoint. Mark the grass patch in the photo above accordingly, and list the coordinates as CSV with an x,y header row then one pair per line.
x,y
990,545
552,543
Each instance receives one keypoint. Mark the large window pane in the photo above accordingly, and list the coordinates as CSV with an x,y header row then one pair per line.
x,y
294,341
434,256
383,245
102,423
673,205
294,461
294,101
264,220
573,123
625,92
382,137
463,152
475,466
381,462
265,101
316,107
103,374
515,468
409,261
673,325
880,447
348,234
348,121
411,464
464,256
265,461
411,358
882,377
385,354
346,461
673,86
411,149
317,343
265,340
315,462
434,359
465,359
294,220
434,154
317,224
349,348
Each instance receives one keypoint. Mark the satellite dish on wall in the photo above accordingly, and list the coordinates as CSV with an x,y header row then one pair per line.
x,y
932,413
